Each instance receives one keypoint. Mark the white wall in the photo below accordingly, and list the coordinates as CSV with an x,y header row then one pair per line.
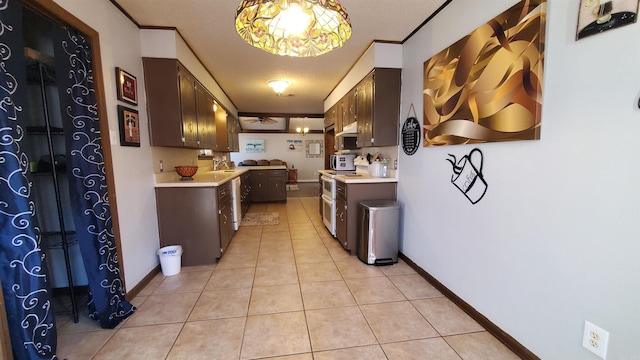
x,y
555,241
134,182
275,147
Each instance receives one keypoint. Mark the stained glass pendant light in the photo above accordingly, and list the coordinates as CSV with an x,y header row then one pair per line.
x,y
299,28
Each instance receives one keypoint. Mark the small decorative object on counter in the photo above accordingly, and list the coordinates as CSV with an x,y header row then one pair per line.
x,y
186,171
375,169
385,168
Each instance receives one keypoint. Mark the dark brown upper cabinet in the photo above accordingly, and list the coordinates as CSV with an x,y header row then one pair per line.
x,y
378,108
180,108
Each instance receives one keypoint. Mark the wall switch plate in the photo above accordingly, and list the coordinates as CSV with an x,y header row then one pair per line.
x,y
595,339
113,137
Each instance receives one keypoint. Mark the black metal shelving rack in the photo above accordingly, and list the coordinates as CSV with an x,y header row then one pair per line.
x,y
43,75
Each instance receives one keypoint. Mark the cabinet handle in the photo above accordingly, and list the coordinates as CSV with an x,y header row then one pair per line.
x,y
225,218
219,212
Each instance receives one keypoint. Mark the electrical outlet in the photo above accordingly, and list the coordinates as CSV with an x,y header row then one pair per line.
x,y
595,339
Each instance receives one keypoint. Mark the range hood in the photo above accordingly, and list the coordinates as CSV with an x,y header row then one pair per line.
x,y
350,130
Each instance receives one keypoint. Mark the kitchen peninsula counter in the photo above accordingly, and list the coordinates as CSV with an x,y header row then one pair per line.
x,y
199,214
359,178
208,178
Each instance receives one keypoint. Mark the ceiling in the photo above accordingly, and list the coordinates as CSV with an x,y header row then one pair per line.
x,y
243,71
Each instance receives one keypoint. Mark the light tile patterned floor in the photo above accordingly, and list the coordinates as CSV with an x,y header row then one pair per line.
x,y
291,292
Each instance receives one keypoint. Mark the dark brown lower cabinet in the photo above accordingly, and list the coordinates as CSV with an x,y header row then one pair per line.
x,y
348,197
320,194
194,217
268,185
225,215
245,192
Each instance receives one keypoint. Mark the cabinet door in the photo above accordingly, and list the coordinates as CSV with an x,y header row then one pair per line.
x,y
277,188
245,180
258,189
365,111
352,111
386,107
349,108
187,217
225,214
163,101
320,194
188,109
233,127
340,114
341,221
226,225
330,116
206,118
221,130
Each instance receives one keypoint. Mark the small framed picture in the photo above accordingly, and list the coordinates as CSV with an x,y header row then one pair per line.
x,y
596,16
127,87
129,126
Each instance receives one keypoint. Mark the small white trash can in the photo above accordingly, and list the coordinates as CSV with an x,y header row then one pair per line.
x,y
170,259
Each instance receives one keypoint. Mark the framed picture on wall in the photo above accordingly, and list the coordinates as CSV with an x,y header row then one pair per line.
x,y
294,145
127,87
596,16
129,126
254,146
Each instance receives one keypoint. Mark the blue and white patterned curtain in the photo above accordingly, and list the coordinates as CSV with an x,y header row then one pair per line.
x,y
87,177
22,267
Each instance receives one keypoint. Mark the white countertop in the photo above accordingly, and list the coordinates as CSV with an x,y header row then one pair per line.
x,y
207,178
360,178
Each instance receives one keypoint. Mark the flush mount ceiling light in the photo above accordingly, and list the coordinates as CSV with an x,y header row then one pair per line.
x,y
278,85
300,28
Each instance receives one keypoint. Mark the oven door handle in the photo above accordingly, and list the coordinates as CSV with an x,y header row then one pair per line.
x,y
327,199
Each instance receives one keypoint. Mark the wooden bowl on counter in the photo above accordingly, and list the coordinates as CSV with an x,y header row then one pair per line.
x,y
186,171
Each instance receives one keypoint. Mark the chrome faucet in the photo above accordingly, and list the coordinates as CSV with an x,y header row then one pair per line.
x,y
217,163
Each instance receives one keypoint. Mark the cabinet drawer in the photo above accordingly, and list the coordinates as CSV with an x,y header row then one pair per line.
x,y
341,190
224,192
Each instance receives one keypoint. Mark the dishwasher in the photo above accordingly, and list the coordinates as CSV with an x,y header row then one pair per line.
x,y
237,205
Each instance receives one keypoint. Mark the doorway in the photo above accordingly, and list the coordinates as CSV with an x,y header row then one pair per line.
x,y
37,129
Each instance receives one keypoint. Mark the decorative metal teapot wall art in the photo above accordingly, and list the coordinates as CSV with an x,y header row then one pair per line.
x,y
467,175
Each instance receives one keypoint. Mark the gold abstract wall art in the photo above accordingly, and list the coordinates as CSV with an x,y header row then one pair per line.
x,y
487,87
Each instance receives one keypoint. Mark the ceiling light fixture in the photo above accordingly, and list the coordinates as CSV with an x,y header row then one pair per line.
x,y
299,28
279,85
302,129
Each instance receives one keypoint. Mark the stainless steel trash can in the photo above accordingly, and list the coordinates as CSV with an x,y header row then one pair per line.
x,y
378,232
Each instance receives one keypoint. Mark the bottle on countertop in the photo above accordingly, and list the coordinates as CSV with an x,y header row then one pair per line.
x,y
385,168
375,169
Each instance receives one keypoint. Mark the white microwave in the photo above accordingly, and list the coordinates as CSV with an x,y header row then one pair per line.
x,y
342,162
